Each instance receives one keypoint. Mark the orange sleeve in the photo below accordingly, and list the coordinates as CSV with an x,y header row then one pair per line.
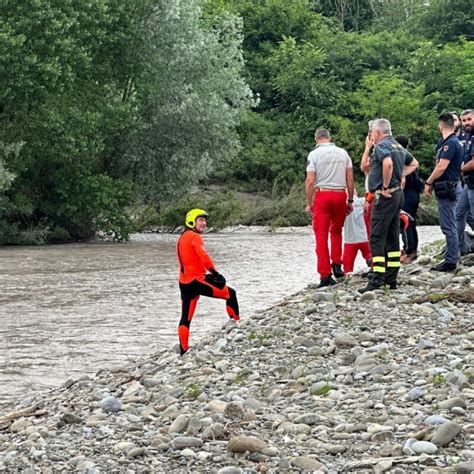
x,y
198,245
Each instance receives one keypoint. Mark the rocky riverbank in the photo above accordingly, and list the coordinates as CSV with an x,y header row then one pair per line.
x,y
325,381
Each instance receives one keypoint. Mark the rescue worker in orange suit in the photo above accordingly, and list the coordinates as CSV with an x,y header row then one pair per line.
x,y
198,275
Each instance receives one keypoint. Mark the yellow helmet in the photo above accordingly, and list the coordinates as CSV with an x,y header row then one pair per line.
x,y
192,215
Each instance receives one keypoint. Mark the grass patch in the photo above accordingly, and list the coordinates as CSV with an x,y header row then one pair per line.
x,y
322,391
439,379
454,296
193,391
253,336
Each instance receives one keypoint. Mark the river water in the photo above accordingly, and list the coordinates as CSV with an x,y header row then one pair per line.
x,y
72,309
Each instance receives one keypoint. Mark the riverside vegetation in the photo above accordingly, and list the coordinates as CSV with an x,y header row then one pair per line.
x,y
112,111
321,382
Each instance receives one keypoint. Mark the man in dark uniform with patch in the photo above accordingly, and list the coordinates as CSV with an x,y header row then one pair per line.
x,y
465,203
387,165
445,181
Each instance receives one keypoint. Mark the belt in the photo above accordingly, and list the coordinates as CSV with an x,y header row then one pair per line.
x,y
389,190
329,189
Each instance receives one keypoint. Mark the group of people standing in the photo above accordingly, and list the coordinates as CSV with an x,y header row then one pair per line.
x,y
371,224
385,163
393,187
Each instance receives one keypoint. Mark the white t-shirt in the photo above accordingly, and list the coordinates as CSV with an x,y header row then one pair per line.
x,y
330,164
355,230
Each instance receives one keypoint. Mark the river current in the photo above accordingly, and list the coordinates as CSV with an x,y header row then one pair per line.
x,y
72,309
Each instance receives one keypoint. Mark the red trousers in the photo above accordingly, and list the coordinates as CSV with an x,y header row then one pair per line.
x,y
367,217
350,254
329,214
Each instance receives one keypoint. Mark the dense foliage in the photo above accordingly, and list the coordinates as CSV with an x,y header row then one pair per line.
x,y
107,105
103,102
340,63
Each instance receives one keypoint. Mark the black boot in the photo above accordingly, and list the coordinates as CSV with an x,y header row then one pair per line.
x,y
327,281
374,283
367,274
337,270
390,278
444,267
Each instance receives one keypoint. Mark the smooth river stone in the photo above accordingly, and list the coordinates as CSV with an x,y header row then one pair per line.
x,y
345,340
435,420
230,470
110,404
451,403
446,433
310,419
182,442
465,467
217,406
424,447
179,424
306,464
241,444
19,425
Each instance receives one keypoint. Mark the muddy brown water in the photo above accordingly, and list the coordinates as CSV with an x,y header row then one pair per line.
x,y
72,309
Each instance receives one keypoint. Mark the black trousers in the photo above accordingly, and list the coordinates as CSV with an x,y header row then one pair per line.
x,y
385,237
410,205
190,293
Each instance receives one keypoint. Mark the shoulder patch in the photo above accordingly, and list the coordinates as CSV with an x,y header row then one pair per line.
x,y
446,148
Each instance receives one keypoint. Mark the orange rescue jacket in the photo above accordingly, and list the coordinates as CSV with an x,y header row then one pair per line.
x,y
194,261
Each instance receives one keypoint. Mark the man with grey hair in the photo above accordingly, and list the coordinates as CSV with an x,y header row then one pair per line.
x,y
388,162
465,204
329,198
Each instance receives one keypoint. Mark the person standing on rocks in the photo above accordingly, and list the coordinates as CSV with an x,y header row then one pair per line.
x,y
465,204
389,162
445,181
329,198
411,193
198,275
355,236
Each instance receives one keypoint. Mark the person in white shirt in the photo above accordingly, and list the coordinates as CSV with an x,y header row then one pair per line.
x,y
329,191
355,236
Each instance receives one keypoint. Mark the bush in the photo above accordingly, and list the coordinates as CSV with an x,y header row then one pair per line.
x,y
282,211
224,210
428,212
11,234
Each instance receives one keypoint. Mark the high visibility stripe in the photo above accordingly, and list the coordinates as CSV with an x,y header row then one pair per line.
x,y
394,254
393,264
378,259
379,269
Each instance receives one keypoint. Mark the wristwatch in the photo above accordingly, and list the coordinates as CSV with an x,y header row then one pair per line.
x,y
350,200
384,188
428,184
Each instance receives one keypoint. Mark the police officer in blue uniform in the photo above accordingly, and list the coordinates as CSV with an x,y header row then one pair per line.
x,y
445,182
465,204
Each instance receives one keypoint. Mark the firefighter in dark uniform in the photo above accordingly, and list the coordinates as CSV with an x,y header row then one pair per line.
x,y
387,164
445,181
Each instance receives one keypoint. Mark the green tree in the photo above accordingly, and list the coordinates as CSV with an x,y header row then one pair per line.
x,y
446,20
190,98
61,94
446,72
351,15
